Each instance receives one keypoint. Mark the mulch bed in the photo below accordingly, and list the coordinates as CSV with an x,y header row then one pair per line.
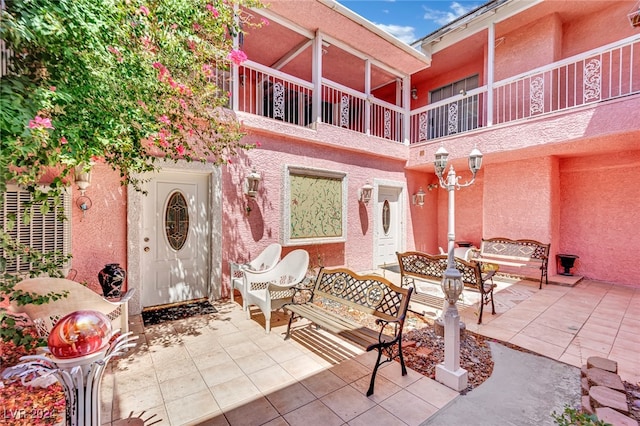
x,y
423,349
25,405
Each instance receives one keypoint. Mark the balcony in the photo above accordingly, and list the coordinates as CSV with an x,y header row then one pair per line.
x,y
598,75
271,93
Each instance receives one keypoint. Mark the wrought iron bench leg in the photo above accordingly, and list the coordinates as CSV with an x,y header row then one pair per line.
x,y
288,335
375,371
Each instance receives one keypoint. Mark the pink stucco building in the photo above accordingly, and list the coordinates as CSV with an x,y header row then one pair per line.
x,y
548,91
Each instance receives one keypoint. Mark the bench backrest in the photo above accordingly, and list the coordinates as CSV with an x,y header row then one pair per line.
x,y
523,250
79,297
415,264
372,294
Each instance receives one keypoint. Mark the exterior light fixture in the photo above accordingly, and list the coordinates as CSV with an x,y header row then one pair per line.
x,y
418,198
252,184
414,93
83,176
364,193
450,373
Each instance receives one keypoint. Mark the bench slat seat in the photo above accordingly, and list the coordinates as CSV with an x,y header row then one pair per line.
x,y
371,294
423,266
337,324
515,253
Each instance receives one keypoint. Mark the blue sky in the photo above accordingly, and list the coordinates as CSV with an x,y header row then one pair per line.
x,y
410,20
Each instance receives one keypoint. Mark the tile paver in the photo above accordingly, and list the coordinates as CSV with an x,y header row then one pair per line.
x,y
206,371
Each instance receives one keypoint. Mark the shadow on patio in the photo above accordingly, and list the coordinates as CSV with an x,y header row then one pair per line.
x,y
223,369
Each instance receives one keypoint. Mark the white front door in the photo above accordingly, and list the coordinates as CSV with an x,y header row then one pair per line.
x,y
175,238
388,225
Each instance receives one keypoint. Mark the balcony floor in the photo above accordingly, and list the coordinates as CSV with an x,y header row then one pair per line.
x,y
223,369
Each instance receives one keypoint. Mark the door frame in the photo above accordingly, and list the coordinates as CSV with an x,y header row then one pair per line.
x,y
401,187
134,229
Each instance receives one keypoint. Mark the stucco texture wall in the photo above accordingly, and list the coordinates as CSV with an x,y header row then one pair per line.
x,y
599,215
517,200
99,236
245,234
528,47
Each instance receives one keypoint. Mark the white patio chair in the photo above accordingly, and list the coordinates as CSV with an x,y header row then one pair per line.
x,y
270,290
79,297
263,262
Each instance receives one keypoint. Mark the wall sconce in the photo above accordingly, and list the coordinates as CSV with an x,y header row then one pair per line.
x,y
418,198
252,183
83,177
364,193
414,93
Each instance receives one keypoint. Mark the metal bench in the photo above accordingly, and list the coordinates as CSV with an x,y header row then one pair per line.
x,y
371,294
423,266
516,254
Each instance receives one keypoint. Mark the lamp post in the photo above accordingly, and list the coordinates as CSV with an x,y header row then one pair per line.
x,y
449,373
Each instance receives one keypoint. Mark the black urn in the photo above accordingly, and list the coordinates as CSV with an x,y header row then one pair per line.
x,y
111,279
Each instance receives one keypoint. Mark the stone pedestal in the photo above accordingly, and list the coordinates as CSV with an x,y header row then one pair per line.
x,y
449,373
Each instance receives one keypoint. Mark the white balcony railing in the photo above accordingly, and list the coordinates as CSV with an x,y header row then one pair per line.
x,y
349,109
609,72
597,75
271,93
451,116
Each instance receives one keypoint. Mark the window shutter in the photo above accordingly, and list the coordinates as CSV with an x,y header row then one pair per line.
x,y
45,233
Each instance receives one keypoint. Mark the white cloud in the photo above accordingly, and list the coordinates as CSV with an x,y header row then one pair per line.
x,y
404,33
443,17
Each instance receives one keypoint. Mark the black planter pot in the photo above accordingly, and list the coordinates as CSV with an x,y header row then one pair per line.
x,y
567,261
111,279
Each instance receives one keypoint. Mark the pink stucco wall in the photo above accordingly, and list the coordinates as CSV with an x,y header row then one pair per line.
x,y
517,200
421,235
100,235
599,220
528,47
245,235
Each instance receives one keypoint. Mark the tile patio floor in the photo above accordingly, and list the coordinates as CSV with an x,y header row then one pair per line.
x,y
224,370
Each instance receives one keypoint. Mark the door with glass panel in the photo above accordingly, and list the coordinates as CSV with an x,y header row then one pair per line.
x,y
388,225
176,238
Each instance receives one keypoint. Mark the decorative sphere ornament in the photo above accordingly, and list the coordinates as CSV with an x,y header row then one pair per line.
x,y
79,333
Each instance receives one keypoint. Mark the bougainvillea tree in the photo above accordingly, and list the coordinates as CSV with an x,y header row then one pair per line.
x,y
124,82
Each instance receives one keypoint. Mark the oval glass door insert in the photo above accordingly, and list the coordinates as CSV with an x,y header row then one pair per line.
x,y
176,221
386,217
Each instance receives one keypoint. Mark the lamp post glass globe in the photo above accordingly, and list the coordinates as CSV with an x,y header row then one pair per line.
x,y
452,285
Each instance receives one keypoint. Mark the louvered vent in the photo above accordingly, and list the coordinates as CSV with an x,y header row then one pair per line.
x,y
45,233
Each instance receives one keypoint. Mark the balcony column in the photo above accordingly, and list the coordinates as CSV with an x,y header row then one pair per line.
x,y
235,71
406,102
316,76
367,92
490,71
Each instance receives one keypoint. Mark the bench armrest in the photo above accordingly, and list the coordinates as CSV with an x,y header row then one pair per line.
x,y
125,298
488,275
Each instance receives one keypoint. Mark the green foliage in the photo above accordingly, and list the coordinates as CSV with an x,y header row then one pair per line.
x,y
572,417
119,81
122,81
11,325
